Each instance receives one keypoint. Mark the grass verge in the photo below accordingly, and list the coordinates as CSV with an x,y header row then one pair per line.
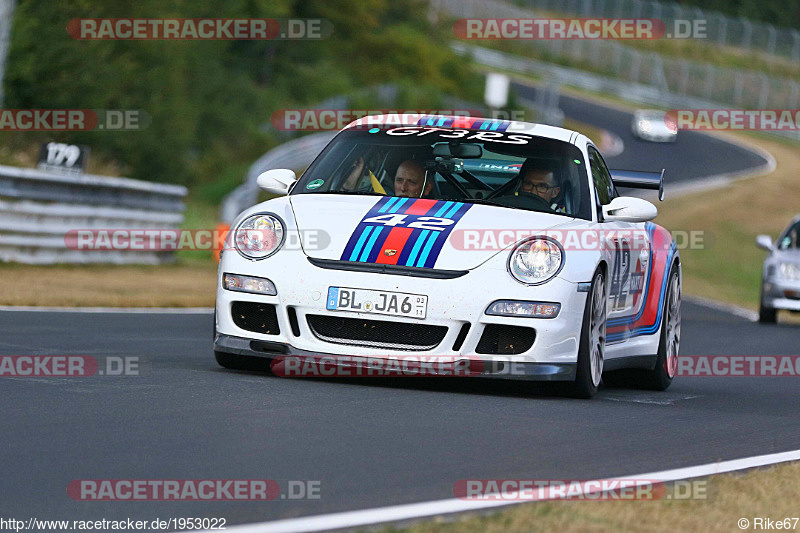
x,y
179,285
771,492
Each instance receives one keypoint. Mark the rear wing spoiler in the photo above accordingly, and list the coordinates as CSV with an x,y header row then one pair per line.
x,y
639,180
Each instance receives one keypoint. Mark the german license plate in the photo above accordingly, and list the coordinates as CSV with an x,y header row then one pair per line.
x,y
377,302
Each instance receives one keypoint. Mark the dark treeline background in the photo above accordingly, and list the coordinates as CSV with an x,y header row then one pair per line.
x,y
211,101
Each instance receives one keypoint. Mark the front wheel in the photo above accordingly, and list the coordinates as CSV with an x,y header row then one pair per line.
x,y
661,376
592,349
766,315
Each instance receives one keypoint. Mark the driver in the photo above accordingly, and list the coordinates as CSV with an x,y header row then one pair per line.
x,y
410,182
538,182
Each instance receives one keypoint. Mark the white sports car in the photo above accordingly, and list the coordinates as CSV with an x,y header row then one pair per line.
x,y
780,282
498,241
654,125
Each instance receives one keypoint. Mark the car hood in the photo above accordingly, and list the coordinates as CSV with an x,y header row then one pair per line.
x,y
477,233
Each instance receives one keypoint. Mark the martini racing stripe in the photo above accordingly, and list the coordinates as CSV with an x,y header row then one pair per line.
x,y
396,239
371,243
420,207
628,320
648,319
404,231
470,123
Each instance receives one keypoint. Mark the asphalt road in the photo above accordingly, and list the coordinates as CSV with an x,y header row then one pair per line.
x,y
692,155
368,442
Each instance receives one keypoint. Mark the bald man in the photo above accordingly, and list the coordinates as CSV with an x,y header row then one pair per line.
x,y
410,179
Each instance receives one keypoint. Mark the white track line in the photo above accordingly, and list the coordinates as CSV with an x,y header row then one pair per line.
x,y
132,310
735,310
395,513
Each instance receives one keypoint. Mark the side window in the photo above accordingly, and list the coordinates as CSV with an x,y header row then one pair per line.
x,y
791,239
601,177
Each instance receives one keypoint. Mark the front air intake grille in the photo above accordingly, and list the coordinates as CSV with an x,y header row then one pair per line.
x,y
255,317
376,333
506,340
293,321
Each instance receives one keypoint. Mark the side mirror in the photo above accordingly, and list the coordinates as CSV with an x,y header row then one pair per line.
x,y
629,209
765,242
277,181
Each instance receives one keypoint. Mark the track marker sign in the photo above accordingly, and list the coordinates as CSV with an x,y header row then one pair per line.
x,y
64,158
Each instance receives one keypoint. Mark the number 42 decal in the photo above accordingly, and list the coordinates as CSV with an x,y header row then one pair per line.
x,y
429,223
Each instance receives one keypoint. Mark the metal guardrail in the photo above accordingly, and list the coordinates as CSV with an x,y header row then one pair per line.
x,y
38,209
295,154
631,91
647,77
720,29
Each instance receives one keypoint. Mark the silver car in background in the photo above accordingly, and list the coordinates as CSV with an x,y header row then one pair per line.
x,y
654,125
780,283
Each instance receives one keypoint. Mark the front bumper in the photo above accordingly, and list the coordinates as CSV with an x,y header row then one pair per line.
x,y
454,303
781,294
492,367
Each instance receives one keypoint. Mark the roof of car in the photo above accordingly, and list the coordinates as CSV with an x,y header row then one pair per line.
x,y
464,122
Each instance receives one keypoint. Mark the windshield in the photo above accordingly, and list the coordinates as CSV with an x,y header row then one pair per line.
x,y
790,240
513,170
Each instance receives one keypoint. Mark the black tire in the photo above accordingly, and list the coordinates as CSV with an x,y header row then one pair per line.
x,y
767,315
586,383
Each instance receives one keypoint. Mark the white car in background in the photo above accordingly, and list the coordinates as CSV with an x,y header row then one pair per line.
x,y
780,282
477,268
654,125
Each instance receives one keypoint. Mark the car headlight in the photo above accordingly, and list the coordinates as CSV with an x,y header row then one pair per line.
x,y
259,236
536,260
789,271
251,284
671,124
